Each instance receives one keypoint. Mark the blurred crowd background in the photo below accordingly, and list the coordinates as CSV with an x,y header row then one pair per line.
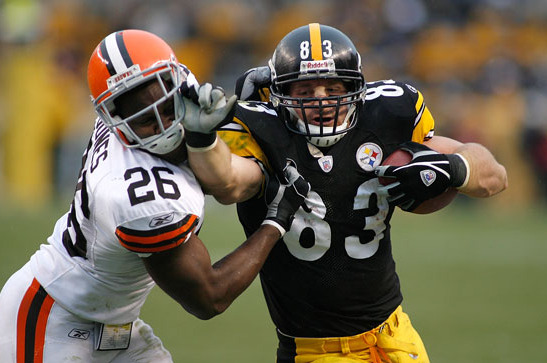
x,y
481,65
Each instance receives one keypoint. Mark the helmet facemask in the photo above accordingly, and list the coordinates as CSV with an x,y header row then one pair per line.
x,y
169,75
324,56
328,110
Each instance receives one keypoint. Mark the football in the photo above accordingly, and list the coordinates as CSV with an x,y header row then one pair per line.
x,y
402,157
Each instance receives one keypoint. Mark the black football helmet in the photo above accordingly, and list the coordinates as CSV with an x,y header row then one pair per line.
x,y
314,52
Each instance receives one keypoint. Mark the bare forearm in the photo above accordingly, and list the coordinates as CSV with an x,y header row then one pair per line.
x,y
235,272
225,176
487,177
186,274
212,167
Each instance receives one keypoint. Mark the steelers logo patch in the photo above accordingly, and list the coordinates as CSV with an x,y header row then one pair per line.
x,y
369,156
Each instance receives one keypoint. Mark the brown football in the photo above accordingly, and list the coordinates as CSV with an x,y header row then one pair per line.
x,y
402,157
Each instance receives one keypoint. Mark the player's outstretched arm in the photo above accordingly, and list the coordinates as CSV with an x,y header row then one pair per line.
x,y
487,177
226,176
229,178
185,272
438,165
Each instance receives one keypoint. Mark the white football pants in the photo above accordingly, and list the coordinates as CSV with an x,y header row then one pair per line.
x,y
34,328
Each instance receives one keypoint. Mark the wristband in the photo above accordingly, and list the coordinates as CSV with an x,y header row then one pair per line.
x,y
468,173
459,170
276,225
199,142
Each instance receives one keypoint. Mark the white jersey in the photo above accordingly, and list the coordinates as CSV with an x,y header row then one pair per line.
x,y
128,204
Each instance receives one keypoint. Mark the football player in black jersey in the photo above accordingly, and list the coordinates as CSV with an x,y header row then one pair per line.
x,y
331,286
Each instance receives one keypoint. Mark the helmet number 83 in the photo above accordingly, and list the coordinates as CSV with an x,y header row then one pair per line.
x,y
305,49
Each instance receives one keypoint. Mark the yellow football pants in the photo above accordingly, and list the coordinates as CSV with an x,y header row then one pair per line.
x,y
393,341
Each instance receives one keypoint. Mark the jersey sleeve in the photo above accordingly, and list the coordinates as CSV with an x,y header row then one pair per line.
x,y
424,124
139,235
240,141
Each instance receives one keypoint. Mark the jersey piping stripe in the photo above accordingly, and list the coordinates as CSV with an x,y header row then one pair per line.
x,y
242,124
158,239
420,107
115,53
31,324
419,101
315,42
84,196
232,126
78,248
240,144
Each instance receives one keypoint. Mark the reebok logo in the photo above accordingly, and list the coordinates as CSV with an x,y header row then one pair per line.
x,y
79,334
161,220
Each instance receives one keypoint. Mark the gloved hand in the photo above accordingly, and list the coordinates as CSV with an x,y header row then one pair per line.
x,y
284,198
428,174
248,85
206,109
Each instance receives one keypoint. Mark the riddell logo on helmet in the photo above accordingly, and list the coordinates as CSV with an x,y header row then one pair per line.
x,y
317,64
322,65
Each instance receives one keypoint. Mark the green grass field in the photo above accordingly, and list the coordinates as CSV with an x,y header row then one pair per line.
x,y
474,282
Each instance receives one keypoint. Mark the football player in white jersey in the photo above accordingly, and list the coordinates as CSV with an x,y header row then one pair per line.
x,y
133,222
331,286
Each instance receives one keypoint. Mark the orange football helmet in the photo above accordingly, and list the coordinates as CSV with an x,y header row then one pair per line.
x,y
124,60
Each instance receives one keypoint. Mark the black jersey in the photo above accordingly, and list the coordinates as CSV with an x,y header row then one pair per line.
x,y
333,272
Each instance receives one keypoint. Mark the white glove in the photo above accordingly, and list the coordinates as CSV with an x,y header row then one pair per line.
x,y
206,113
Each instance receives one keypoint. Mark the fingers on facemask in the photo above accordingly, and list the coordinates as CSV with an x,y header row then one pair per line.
x,y
190,91
205,100
230,102
218,98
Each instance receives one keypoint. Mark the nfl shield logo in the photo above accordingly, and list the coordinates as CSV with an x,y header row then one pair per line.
x,y
325,163
428,177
